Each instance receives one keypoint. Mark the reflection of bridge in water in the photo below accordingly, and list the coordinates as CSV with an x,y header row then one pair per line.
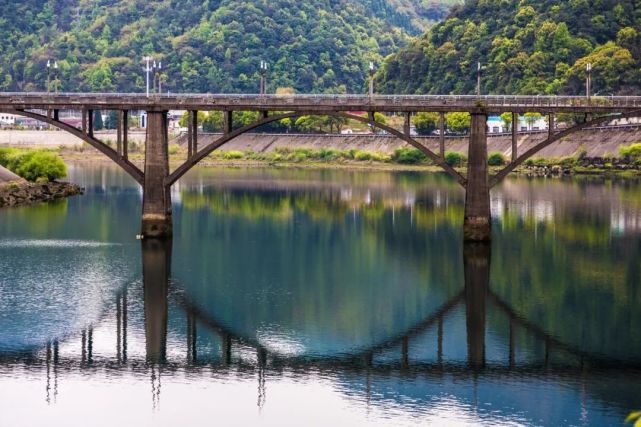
x,y
248,354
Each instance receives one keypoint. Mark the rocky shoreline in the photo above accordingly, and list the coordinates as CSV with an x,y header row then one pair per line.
x,y
21,193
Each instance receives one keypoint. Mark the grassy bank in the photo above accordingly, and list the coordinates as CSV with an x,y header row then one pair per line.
x,y
627,163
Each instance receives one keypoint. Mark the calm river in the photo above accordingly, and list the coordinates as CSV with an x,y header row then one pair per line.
x,y
329,298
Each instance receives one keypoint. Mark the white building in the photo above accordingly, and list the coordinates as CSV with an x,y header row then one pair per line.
x,y
496,125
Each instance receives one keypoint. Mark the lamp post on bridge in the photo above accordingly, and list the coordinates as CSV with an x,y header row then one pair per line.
x,y
478,79
55,67
588,81
148,69
372,70
159,75
263,77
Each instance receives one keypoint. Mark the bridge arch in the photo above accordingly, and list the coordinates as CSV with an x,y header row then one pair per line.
x,y
494,180
193,161
124,163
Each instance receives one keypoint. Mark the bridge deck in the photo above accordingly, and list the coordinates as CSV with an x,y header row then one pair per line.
x,y
320,103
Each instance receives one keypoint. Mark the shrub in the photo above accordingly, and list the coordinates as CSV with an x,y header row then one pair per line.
x,y
408,156
5,153
363,156
567,162
632,152
455,159
233,155
36,165
496,159
173,149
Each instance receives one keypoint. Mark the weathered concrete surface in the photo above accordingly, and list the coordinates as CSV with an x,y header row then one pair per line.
x,y
7,176
156,200
596,143
23,193
477,223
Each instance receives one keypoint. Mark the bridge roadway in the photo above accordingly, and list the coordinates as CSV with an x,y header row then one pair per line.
x,y
156,178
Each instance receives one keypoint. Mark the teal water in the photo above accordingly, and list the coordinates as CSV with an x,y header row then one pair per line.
x,y
298,297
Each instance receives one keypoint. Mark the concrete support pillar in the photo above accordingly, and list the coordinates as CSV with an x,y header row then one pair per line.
x,y
551,125
515,130
477,224
56,115
407,124
228,121
192,134
156,200
125,134
156,265
90,123
476,265
264,114
84,121
441,137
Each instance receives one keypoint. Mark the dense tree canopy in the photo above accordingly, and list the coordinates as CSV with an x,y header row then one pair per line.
x,y
526,46
204,45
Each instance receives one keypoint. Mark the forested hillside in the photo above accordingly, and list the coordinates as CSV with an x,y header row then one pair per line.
x,y
205,46
526,47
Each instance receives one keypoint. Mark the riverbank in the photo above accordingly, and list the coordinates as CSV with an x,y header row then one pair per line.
x,y
25,193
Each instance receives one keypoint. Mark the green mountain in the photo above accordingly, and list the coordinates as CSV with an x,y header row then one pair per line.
x,y
204,45
526,47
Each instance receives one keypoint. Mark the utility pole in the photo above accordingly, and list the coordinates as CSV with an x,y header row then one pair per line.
x,y
55,76
160,77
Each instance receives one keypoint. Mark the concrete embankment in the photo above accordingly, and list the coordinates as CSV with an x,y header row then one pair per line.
x,y
595,142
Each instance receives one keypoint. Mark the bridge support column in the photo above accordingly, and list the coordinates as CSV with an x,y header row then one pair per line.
x,y
476,265
156,200
441,134
407,125
228,121
156,265
477,226
515,129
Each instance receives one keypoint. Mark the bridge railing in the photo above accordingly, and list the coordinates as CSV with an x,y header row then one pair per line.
x,y
493,101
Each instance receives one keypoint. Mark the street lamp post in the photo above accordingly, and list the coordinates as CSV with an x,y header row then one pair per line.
x,y
263,77
148,70
588,81
160,77
478,79
55,75
371,78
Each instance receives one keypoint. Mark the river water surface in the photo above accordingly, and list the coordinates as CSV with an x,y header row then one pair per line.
x,y
301,297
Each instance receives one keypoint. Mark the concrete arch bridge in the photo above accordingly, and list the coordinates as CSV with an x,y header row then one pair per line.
x,y
156,178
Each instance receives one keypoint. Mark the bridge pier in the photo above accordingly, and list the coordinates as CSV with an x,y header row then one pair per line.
x,y
156,199
156,265
477,226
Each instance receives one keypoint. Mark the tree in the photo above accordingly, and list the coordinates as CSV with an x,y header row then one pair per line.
x,y
458,122
506,118
184,120
213,122
531,118
112,120
97,120
426,123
